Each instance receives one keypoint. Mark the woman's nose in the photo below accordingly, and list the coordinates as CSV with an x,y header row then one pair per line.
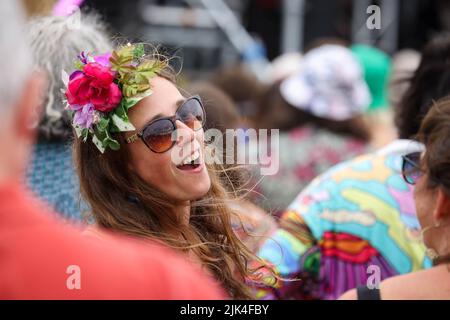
x,y
184,133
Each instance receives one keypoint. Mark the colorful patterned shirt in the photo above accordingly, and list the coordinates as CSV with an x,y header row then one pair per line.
x,y
353,225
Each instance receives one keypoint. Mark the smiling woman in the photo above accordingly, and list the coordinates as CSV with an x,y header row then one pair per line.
x,y
182,183
135,185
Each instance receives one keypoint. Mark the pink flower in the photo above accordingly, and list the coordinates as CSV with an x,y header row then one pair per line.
x,y
103,59
84,115
94,86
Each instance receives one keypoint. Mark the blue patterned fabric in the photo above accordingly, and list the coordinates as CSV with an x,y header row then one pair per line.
x,y
51,175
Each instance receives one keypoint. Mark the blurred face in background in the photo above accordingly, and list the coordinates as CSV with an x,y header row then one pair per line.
x,y
17,128
20,94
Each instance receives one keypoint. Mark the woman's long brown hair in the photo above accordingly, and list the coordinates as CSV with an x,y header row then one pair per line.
x,y
121,201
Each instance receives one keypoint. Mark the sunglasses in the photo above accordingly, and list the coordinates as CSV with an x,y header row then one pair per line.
x,y
411,167
157,135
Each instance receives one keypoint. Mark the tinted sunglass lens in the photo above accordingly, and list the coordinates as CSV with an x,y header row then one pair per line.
x,y
407,169
192,114
158,136
411,168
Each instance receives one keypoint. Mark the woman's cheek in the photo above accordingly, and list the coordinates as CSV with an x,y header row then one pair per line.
x,y
423,198
149,166
200,136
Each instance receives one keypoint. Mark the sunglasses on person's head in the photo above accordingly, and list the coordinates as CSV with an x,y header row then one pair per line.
x,y
411,167
157,135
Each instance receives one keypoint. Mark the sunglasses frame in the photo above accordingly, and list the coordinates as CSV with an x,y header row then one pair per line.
x,y
408,159
172,119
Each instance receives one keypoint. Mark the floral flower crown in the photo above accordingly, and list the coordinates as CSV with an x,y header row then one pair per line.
x,y
103,88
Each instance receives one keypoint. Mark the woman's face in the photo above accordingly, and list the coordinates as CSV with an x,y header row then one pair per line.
x,y
425,200
163,171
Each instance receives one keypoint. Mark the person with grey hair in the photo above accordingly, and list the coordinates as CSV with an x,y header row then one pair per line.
x,y
54,42
42,258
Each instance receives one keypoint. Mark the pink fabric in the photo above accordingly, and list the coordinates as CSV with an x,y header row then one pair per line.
x,y
65,8
36,251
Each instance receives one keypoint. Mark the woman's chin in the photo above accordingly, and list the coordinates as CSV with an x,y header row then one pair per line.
x,y
200,190
196,190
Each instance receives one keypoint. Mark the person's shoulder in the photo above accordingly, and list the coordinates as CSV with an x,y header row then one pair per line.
x,y
94,231
42,253
419,285
397,287
141,269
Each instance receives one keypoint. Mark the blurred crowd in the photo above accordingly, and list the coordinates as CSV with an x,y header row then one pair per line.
x,y
361,190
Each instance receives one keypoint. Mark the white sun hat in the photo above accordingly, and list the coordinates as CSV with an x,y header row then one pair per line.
x,y
330,84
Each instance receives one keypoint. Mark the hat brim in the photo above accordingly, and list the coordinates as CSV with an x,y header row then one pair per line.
x,y
297,92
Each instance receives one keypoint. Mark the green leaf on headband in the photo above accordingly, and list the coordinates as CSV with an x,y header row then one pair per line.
x,y
148,69
100,134
121,60
121,110
103,124
81,132
132,101
133,89
121,113
79,65
122,124
78,131
103,139
109,142
137,82
98,143
139,51
85,134
125,51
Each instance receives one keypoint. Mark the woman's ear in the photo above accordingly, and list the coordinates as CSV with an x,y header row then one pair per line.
x,y
442,208
29,107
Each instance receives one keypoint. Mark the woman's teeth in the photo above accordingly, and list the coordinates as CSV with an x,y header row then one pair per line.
x,y
192,158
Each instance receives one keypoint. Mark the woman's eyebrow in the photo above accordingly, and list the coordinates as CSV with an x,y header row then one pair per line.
x,y
159,115
180,102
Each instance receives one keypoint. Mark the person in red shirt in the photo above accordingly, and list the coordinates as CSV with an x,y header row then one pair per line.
x,y
43,258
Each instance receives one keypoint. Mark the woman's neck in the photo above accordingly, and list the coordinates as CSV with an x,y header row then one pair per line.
x,y
185,211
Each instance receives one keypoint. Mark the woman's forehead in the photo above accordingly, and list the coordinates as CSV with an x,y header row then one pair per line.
x,y
164,101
